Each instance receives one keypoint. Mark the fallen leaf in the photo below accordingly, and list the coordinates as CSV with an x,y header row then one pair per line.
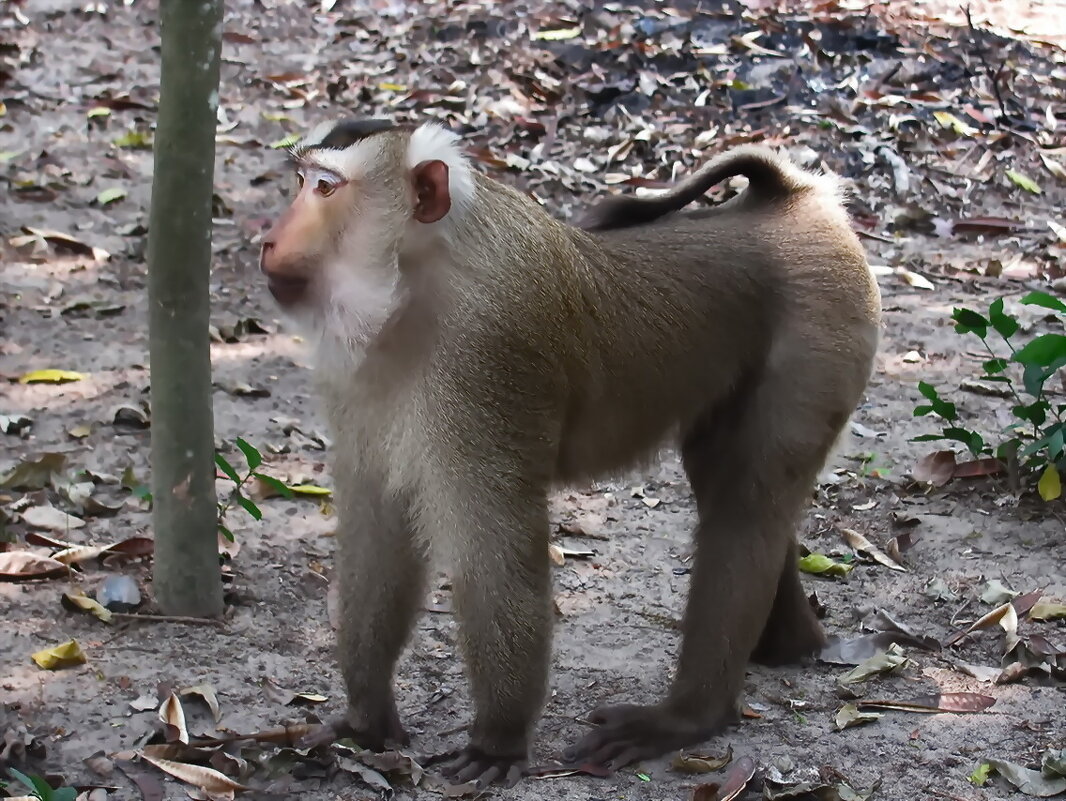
x,y
28,566
50,376
207,779
996,594
51,519
173,716
66,654
556,35
695,763
81,601
1030,782
914,279
884,662
1048,610
849,715
110,195
936,468
820,564
950,121
35,474
863,545
735,783
1025,182
936,702
310,490
1050,485
207,692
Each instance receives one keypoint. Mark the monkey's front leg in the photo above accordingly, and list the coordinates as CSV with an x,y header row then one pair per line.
x,y
380,576
502,594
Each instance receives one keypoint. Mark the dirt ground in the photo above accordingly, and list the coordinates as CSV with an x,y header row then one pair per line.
x,y
531,112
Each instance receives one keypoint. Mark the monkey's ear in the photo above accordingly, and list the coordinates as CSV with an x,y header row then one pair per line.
x,y
432,197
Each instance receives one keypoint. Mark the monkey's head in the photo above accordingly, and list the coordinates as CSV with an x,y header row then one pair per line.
x,y
366,191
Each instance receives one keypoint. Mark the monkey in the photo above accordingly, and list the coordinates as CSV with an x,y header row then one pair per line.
x,y
473,353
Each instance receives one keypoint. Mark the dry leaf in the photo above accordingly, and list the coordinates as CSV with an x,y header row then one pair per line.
x,y
66,654
81,601
173,716
206,779
29,566
858,542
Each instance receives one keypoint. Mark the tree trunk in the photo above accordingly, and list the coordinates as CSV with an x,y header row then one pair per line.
x,y
184,512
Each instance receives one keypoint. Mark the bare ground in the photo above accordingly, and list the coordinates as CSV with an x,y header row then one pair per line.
x,y
614,638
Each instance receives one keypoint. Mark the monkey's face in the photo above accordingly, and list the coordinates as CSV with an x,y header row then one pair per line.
x,y
364,191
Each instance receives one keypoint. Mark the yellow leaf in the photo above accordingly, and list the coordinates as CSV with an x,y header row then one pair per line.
x,y
1048,610
288,141
392,87
50,376
557,35
80,600
67,654
1024,181
820,564
949,120
309,489
1050,485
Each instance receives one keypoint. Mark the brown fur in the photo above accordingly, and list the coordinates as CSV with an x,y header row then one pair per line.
x,y
522,353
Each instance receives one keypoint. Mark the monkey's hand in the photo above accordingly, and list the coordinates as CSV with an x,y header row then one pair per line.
x,y
478,769
629,733
386,730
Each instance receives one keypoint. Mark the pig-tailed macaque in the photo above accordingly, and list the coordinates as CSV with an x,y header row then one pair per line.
x,y
473,353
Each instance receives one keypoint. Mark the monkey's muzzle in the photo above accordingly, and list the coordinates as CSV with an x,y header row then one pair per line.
x,y
287,287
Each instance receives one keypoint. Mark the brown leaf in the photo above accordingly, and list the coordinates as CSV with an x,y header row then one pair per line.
x,y
936,702
173,716
29,566
695,763
735,782
936,468
206,779
978,467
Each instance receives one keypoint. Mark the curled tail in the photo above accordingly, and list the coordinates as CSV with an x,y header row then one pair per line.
x,y
770,177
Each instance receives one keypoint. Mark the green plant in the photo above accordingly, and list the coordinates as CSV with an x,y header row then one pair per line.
x,y
254,459
1034,442
43,790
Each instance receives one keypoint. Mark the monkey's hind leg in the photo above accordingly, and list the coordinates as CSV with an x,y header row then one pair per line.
x,y
751,462
792,631
380,574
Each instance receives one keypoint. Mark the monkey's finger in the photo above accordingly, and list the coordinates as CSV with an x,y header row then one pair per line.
x,y
488,776
515,773
631,753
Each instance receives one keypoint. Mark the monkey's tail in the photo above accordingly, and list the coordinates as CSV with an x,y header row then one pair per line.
x,y
769,175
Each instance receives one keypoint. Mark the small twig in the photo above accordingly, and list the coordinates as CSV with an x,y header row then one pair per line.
x,y
869,235
192,621
993,77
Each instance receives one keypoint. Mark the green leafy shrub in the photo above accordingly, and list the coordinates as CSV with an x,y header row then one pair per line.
x,y
41,789
253,459
1035,441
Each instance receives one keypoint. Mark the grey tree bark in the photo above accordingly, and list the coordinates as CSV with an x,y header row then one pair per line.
x,y
187,575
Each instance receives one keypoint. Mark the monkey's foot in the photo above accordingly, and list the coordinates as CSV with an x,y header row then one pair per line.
x,y
388,729
628,733
479,769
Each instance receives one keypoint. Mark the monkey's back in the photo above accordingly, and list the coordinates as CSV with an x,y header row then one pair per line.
x,y
680,313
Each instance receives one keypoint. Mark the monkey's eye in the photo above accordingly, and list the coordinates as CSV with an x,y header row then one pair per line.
x,y
325,187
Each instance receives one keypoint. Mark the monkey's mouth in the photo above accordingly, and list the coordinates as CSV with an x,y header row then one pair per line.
x,y
287,290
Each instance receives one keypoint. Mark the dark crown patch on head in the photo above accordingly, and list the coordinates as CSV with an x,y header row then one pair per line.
x,y
342,135
347,132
